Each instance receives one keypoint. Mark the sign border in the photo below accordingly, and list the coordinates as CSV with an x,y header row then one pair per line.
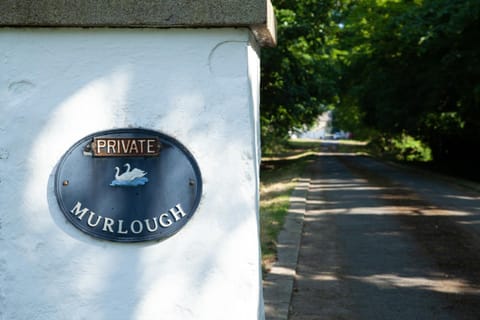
x,y
174,142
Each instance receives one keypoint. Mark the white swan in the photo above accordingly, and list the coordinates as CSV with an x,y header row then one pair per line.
x,y
135,172
129,174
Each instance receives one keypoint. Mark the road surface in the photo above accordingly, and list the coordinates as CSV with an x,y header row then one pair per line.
x,y
380,242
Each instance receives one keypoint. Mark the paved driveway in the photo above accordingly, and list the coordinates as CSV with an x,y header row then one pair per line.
x,y
381,242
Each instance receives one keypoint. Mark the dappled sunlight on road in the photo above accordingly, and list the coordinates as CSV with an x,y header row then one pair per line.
x,y
462,197
325,276
383,244
434,283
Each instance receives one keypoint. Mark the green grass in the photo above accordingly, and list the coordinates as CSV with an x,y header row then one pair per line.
x,y
278,177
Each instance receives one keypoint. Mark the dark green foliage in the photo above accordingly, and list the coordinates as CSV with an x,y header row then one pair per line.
x,y
399,147
414,66
384,66
298,78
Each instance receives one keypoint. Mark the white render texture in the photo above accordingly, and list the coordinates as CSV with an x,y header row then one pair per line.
x,y
200,86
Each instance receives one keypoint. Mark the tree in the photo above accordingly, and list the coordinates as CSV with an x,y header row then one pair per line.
x,y
413,66
298,76
392,66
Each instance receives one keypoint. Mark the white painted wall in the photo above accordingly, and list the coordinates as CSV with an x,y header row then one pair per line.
x,y
197,85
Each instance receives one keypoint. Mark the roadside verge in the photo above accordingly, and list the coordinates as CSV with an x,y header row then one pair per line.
x,y
278,283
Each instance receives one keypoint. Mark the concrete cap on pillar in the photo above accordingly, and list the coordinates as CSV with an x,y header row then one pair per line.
x,y
255,14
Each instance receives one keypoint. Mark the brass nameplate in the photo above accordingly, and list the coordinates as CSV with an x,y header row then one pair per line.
x,y
125,147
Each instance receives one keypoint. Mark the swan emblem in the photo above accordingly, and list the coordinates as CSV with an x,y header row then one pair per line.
x,y
130,178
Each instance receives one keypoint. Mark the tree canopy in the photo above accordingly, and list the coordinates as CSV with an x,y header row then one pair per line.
x,y
392,66
298,76
413,66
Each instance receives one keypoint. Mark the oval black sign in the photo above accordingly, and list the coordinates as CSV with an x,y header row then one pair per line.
x,y
128,185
